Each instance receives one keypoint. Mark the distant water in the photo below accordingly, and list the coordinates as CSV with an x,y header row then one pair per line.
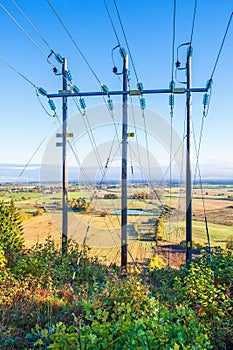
x,y
134,212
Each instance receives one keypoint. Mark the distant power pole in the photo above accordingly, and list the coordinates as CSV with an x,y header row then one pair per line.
x,y
188,159
64,161
124,166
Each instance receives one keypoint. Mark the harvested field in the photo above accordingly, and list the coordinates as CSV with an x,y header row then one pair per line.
x,y
221,216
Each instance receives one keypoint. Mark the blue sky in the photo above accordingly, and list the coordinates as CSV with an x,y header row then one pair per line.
x,y
148,26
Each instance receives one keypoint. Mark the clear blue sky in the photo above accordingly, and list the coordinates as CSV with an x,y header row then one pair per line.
x,y
148,26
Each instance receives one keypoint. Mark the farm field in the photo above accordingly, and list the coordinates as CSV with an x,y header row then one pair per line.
x,y
101,230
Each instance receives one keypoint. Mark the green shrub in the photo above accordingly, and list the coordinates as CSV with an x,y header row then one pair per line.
x,y
11,231
126,316
206,288
162,309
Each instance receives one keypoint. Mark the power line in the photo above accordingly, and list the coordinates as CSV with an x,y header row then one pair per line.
x,y
126,41
52,51
29,37
21,28
92,139
136,132
93,143
32,25
18,72
112,23
173,39
35,28
83,56
193,22
202,192
27,80
204,115
135,72
221,47
38,32
109,160
181,178
74,42
36,150
91,136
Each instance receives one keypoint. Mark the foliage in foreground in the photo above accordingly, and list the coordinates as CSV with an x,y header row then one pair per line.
x,y
11,239
48,301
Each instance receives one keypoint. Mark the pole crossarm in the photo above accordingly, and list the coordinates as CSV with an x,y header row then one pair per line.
x,y
175,91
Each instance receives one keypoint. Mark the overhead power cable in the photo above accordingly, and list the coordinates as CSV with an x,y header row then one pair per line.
x,y
136,132
112,23
73,41
221,47
52,51
193,22
18,72
126,41
197,150
31,24
24,31
36,150
181,170
173,39
27,80
30,38
41,36
81,53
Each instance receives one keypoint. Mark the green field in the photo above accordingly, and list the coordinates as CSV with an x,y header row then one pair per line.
x,y
219,234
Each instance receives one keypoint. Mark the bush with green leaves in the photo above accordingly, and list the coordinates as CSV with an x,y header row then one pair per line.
x,y
37,289
207,288
126,316
160,309
47,264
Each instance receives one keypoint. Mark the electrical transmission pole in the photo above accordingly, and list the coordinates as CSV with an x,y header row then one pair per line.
x,y
188,159
124,168
64,161
125,92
